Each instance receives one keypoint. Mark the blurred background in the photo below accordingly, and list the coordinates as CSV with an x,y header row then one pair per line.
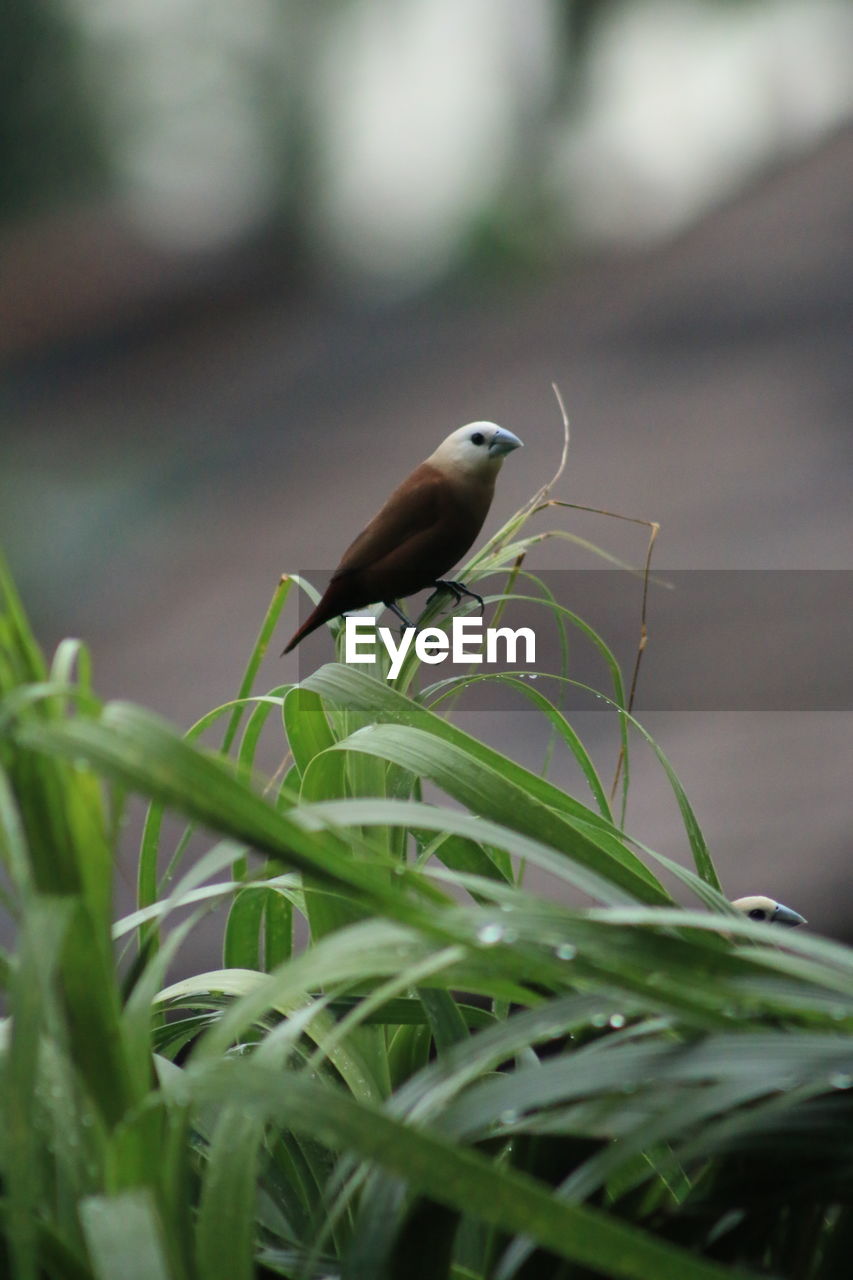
x,y
256,260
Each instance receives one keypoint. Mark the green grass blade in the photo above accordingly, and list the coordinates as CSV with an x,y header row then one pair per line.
x,y
256,657
437,692
242,945
124,1236
455,1176
488,790
225,1230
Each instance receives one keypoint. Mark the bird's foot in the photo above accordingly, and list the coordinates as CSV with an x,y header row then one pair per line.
x,y
457,590
395,608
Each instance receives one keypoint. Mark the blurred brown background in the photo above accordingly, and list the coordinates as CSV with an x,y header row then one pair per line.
x,y
256,262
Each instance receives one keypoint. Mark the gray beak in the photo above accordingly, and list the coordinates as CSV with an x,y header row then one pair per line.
x,y
503,441
784,915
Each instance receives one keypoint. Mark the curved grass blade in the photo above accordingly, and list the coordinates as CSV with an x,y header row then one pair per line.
x,y
453,1175
347,687
256,657
517,680
124,1235
487,790
423,817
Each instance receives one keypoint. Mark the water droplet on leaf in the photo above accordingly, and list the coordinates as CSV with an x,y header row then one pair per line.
x,y
489,934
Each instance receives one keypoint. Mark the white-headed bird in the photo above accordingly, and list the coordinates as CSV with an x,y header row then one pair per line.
x,y
757,907
424,528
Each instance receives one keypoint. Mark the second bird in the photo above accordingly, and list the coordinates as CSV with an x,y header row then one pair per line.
x,y
423,530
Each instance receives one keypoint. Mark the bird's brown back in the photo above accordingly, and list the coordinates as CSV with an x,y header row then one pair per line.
x,y
424,528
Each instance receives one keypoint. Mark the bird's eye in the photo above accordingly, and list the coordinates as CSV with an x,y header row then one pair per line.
x,y
758,913
478,438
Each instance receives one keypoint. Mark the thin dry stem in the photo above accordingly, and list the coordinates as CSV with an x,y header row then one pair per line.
x,y
279,773
538,501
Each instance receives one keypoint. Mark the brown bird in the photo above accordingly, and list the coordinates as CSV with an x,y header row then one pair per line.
x,y
424,528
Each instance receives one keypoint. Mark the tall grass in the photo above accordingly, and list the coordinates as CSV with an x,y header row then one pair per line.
x,y
453,1076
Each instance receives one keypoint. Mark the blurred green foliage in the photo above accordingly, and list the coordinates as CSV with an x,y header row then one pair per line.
x,y
50,136
627,1089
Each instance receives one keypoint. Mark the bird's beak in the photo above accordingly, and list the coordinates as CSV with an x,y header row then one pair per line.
x,y
503,441
784,915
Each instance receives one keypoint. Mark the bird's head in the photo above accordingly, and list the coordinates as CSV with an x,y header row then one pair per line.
x,y
757,907
477,449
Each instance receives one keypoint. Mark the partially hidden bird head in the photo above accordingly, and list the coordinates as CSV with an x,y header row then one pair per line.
x,y
477,449
757,907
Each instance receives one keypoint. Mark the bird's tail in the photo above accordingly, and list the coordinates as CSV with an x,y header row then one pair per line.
x,y
311,623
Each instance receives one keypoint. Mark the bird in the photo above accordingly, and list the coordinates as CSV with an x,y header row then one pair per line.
x,y
757,907
425,527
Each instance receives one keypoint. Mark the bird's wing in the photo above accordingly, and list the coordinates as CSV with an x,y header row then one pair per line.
x,y
414,507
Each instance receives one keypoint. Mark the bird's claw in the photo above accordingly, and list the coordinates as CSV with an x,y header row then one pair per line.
x,y
395,609
458,590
